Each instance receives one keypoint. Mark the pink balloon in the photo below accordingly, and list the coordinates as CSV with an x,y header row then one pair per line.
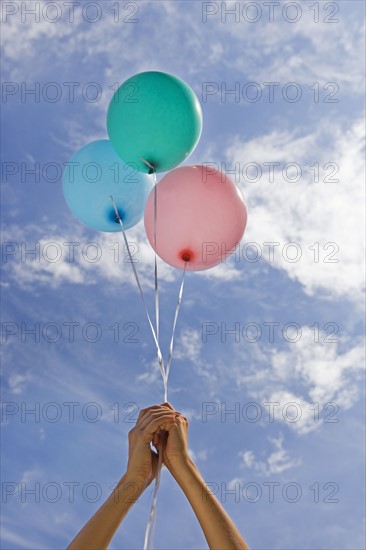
x,y
201,216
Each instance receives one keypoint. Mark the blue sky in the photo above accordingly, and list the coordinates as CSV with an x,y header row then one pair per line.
x,y
87,394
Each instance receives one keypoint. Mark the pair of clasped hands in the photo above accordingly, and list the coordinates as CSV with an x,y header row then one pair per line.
x,y
167,430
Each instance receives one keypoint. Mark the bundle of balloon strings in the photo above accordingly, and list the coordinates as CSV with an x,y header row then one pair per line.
x,y
164,370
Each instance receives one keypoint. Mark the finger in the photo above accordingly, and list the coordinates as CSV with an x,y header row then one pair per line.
x,y
166,404
146,410
164,422
170,407
180,415
151,415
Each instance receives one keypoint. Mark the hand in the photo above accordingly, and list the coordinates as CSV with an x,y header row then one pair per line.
x,y
142,461
175,453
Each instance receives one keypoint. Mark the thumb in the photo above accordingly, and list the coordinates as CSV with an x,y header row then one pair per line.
x,y
166,404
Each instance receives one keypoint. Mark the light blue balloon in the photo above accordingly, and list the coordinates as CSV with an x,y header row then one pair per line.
x,y
96,172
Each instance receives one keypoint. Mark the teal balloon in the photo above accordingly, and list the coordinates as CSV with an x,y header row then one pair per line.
x,y
156,116
95,173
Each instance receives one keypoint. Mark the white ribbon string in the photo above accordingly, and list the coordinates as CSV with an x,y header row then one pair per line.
x,y
156,262
156,280
150,528
148,543
153,172
170,357
160,356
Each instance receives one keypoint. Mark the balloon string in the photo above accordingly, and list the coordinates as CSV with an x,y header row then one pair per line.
x,y
165,379
152,168
148,543
153,171
160,357
156,280
170,357
155,261
150,529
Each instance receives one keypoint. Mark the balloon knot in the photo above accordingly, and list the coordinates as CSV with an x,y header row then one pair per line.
x,y
151,167
186,255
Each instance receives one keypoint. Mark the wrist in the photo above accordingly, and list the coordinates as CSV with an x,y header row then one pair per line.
x,y
135,482
186,474
180,464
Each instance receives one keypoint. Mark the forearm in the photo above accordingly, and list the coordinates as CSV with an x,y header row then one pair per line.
x,y
219,530
99,531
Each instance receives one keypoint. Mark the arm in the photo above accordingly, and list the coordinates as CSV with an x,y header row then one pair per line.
x,y
219,530
98,532
141,470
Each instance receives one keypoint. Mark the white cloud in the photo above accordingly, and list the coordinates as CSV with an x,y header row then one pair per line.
x,y
304,51
152,375
322,368
189,348
322,373
18,382
223,272
74,257
189,345
21,35
306,212
277,461
83,258
248,458
296,412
